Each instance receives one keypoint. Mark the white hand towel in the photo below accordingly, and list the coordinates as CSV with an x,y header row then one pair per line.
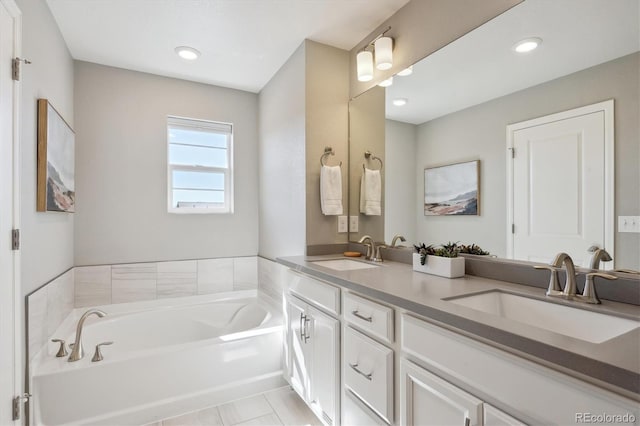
x,y
331,190
370,192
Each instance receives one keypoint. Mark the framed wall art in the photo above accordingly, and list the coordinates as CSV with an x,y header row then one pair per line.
x,y
453,189
56,156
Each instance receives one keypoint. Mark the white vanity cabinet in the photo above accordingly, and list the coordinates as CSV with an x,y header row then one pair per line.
x,y
313,352
531,392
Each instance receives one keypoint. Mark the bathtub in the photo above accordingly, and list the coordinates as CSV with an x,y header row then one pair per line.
x,y
168,357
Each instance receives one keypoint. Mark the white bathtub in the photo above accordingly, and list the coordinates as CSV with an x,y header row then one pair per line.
x,y
168,357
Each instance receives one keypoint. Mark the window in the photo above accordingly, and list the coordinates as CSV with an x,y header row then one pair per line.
x,y
200,161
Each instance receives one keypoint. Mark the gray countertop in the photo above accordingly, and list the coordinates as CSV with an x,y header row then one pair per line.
x,y
613,364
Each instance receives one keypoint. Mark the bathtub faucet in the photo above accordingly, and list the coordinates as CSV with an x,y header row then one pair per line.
x,y
78,351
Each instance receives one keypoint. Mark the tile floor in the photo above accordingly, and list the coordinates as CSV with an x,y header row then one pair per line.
x,y
277,407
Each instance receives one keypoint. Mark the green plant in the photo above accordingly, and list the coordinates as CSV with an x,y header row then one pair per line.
x,y
472,249
446,250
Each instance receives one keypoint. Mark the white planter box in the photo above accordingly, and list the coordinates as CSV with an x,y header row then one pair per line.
x,y
450,267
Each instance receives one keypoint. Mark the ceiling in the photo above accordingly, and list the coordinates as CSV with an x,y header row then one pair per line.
x,y
243,42
481,66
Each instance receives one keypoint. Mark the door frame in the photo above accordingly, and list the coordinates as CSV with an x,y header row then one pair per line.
x,y
13,303
607,108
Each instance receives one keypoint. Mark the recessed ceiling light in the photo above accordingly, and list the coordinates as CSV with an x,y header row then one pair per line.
x,y
386,83
406,71
188,53
527,45
400,101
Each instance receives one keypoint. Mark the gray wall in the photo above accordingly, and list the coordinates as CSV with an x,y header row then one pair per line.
x,y
400,185
366,133
47,237
326,124
421,27
479,133
121,169
282,160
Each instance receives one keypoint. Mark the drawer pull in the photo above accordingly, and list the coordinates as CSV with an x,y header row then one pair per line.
x,y
362,317
357,370
306,333
302,326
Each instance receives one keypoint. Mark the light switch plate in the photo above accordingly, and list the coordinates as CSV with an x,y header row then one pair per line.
x,y
629,224
342,224
353,223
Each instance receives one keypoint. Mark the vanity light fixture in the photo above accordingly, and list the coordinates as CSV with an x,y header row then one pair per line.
x,y
386,83
405,72
364,63
188,53
400,101
383,47
527,45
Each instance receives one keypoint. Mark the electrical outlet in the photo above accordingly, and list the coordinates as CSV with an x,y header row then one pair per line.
x,y
342,224
628,223
353,223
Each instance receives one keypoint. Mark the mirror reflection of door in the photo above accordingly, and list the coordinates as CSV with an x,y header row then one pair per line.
x,y
561,180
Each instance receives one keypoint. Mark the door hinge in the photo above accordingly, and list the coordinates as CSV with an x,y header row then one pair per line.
x,y
15,239
15,67
513,152
17,402
513,228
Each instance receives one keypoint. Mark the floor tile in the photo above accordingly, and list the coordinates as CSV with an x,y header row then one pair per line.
x,y
268,420
244,409
290,408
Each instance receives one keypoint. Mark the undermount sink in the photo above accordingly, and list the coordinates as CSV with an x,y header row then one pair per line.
x,y
344,264
578,323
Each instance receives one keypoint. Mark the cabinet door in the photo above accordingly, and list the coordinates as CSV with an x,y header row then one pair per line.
x,y
325,369
426,399
494,417
298,324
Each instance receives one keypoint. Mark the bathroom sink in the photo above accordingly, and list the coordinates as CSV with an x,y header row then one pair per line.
x,y
344,264
578,323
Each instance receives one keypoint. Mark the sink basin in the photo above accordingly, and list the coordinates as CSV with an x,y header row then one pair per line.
x,y
344,264
578,323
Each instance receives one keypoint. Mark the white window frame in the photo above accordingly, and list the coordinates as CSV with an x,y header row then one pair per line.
x,y
207,126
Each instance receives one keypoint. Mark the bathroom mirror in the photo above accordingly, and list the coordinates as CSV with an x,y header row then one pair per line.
x,y
460,100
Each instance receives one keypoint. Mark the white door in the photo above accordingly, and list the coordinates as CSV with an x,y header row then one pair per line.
x,y
427,400
298,338
559,197
324,341
9,290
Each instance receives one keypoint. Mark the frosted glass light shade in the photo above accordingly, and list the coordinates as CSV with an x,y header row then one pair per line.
x,y
364,64
386,83
384,53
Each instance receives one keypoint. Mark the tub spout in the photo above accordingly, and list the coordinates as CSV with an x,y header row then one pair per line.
x,y
78,351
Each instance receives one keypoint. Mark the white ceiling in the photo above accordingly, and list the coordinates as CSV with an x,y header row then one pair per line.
x,y
481,66
243,42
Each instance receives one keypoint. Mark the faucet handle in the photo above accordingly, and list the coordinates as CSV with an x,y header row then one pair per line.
x,y
554,285
378,255
62,350
589,294
97,356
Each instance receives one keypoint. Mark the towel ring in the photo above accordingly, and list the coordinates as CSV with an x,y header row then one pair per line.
x,y
369,156
327,151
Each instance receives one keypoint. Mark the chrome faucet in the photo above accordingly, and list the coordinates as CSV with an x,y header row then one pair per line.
x,y
570,283
78,351
371,247
598,255
396,238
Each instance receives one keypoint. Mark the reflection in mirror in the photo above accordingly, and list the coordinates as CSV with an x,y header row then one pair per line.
x,y
461,99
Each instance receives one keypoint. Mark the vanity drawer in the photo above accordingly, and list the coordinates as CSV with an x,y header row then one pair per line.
x,y
356,413
368,372
370,316
324,295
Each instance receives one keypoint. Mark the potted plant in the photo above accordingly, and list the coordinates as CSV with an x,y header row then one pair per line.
x,y
441,260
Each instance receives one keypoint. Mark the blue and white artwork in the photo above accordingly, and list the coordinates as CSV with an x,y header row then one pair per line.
x,y
452,189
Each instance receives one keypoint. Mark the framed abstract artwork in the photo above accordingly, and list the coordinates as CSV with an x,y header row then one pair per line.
x,y
56,156
453,189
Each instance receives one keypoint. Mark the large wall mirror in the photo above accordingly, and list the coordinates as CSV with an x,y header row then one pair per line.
x,y
456,107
